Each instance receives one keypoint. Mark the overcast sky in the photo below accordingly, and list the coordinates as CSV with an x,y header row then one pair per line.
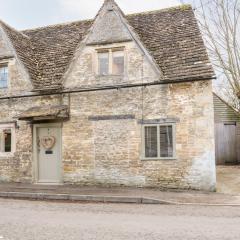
x,y
22,14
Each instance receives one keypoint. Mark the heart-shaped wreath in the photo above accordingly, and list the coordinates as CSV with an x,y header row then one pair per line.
x,y
48,142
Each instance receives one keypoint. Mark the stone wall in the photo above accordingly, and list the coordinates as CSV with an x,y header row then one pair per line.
x,y
17,166
83,70
108,151
100,146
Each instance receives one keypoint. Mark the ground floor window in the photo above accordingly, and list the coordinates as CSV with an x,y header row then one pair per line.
x,y
159,141
7,134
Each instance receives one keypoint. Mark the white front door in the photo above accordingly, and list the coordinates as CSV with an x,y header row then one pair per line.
x,y
48,149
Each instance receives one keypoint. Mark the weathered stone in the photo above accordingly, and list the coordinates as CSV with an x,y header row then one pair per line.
x,y
102,139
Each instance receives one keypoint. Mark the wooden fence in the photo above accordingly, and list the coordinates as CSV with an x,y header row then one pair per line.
x,y
227,143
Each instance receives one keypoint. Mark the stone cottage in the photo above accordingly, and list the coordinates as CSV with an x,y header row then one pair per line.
x,y
118,100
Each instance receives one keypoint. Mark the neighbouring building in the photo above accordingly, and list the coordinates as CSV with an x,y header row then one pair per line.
x,y
121,100
227,132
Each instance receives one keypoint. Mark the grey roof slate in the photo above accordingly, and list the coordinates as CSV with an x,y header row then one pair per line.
x,y
171,35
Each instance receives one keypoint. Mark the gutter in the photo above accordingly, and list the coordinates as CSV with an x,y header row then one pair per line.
x,y
111,87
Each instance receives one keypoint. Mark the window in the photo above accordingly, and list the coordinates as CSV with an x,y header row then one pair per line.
x,y
103,63
3,76
159,141
6,138
118,62
111,62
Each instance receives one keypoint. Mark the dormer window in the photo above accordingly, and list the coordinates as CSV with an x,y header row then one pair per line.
x,y
3,76
111,62
118,62
103,63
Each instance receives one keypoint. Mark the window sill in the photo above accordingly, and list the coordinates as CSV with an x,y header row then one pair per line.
x,y
7,154
109,75
159,159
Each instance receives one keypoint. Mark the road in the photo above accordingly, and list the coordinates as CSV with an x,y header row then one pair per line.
x,y
26,220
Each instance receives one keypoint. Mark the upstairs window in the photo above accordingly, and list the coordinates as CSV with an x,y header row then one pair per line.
x,y
118,62
6,138
3,77
103,63
159,141
111,62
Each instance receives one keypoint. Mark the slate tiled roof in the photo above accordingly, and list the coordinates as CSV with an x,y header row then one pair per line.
x,y
171,35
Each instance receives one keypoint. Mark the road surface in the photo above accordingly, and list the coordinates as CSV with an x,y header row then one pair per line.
x,y
26,220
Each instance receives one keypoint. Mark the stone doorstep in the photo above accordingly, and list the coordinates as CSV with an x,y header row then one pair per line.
x,y
81,198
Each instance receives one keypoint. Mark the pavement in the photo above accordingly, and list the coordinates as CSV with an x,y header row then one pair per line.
x,y
115,195
40,220
228,192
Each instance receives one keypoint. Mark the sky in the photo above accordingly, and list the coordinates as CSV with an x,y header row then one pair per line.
x,y
24,14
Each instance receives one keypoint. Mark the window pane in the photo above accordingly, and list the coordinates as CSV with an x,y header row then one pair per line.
x,y
166,141
7,140
118,63
3,77
151,142
103,62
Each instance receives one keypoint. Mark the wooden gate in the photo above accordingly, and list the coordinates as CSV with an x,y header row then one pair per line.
x,y
226,141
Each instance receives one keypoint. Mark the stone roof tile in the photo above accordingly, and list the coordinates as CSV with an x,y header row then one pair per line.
x,y
171,35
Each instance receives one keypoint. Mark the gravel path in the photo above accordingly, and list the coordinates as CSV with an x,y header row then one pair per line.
x,y
26,220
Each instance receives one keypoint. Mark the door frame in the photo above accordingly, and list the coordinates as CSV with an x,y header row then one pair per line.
x,y
35,151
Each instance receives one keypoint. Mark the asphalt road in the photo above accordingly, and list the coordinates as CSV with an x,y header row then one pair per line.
x,y
26,220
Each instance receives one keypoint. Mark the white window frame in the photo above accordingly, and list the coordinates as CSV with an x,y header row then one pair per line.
x,y
110,59
5,65
143,155
13,137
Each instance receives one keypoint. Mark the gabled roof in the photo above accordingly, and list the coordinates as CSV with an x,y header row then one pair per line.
x,y
171,36
23,47
54,47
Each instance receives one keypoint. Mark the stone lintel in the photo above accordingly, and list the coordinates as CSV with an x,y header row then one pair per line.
x,y
156,121
96,43
111,117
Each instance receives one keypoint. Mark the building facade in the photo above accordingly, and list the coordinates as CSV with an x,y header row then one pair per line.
x,y
121,100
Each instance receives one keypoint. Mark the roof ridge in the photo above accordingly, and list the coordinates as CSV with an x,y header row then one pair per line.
x,y
183,7
56,25
177,7
13,29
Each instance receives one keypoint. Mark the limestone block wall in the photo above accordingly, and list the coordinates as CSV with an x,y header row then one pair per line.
x,y
83,70
17,166
101,148
108,151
